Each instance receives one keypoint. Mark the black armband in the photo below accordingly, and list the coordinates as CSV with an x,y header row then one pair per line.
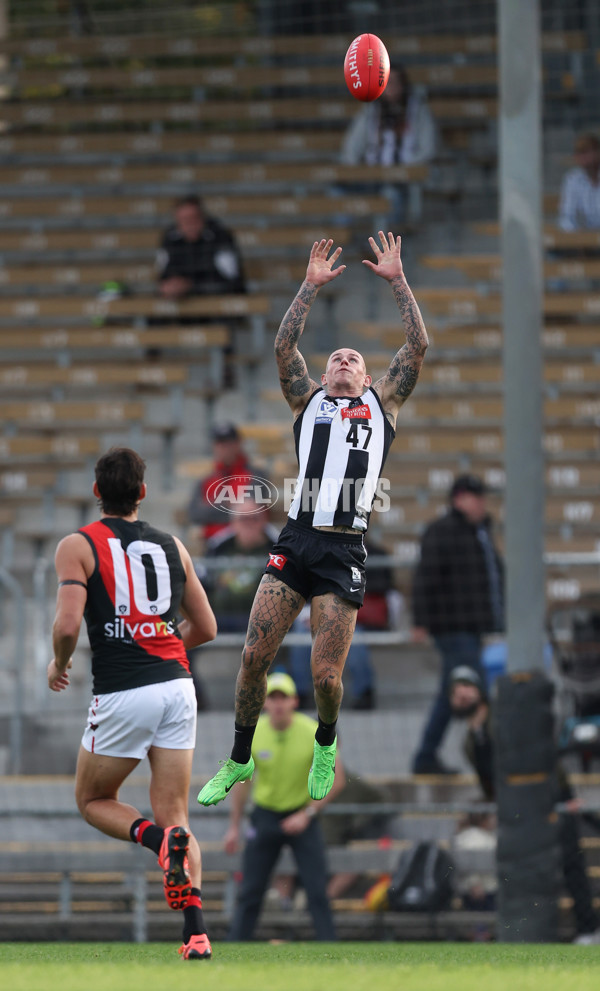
x,y
72,581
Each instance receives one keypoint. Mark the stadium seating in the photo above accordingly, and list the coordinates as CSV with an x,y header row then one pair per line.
x,y
101,888
488,268
109,210
149,45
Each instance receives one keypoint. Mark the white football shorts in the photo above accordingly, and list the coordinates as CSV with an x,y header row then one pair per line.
x,y
127,724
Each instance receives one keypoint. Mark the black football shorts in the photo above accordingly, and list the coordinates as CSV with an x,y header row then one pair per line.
x,y
314,562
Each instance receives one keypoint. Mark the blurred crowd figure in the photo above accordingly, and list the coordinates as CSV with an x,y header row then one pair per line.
x,y
396,129
579,207
458,598
231,463
198,255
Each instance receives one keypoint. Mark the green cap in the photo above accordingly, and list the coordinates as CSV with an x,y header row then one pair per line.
x,y
279,681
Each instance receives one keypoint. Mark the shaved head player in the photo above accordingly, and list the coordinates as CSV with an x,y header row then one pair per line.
x,y
343,429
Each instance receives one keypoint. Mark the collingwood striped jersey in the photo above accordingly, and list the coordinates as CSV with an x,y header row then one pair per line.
x,y
341,446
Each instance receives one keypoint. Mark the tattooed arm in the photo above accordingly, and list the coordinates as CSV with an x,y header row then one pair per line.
x,y
296,383
401,377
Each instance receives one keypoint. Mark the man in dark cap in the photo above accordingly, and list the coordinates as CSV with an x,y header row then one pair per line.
x,y
457,599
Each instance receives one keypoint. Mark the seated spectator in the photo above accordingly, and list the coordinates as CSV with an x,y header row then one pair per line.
x,y
579,207
230,462
469,701
198,256
396,129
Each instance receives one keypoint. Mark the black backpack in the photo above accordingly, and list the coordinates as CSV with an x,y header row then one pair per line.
x,y
423,880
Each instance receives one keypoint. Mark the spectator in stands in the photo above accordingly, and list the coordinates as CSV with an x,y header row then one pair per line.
x,y
468,701
198,256
396,129
283,812
373,615
230,462
131,581
458,596
579,207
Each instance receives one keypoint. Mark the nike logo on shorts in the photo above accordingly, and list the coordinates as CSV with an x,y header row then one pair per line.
x,y
355,589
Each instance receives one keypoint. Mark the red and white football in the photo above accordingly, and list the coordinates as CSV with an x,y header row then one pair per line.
x,y
367,67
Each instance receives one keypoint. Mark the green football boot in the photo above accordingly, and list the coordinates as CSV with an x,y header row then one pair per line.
x,y
217,788
322,772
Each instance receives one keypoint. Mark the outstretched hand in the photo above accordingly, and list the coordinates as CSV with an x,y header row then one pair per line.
x,y
389,263
320,268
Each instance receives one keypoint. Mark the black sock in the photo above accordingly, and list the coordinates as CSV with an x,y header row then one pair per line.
x,y
325,734
242,743
148,834
193,922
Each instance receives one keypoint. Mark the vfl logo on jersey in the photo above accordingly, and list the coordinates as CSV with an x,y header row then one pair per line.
x,y
276,561
357,412
326,411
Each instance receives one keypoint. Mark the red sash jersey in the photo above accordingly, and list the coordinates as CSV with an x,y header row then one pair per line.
x,y
133,601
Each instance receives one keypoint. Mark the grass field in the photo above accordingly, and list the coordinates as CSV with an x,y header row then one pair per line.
x,y
300,967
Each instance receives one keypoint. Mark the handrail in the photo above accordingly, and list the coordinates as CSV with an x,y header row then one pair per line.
x,y
386,560
373,638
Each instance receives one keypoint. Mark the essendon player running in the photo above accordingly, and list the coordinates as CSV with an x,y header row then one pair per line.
x,y
343,429
130,582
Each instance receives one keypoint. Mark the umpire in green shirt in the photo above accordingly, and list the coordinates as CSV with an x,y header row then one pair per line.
x,y
283,811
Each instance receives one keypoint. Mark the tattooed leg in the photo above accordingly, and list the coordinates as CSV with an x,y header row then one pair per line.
x,y
274,610
332,622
